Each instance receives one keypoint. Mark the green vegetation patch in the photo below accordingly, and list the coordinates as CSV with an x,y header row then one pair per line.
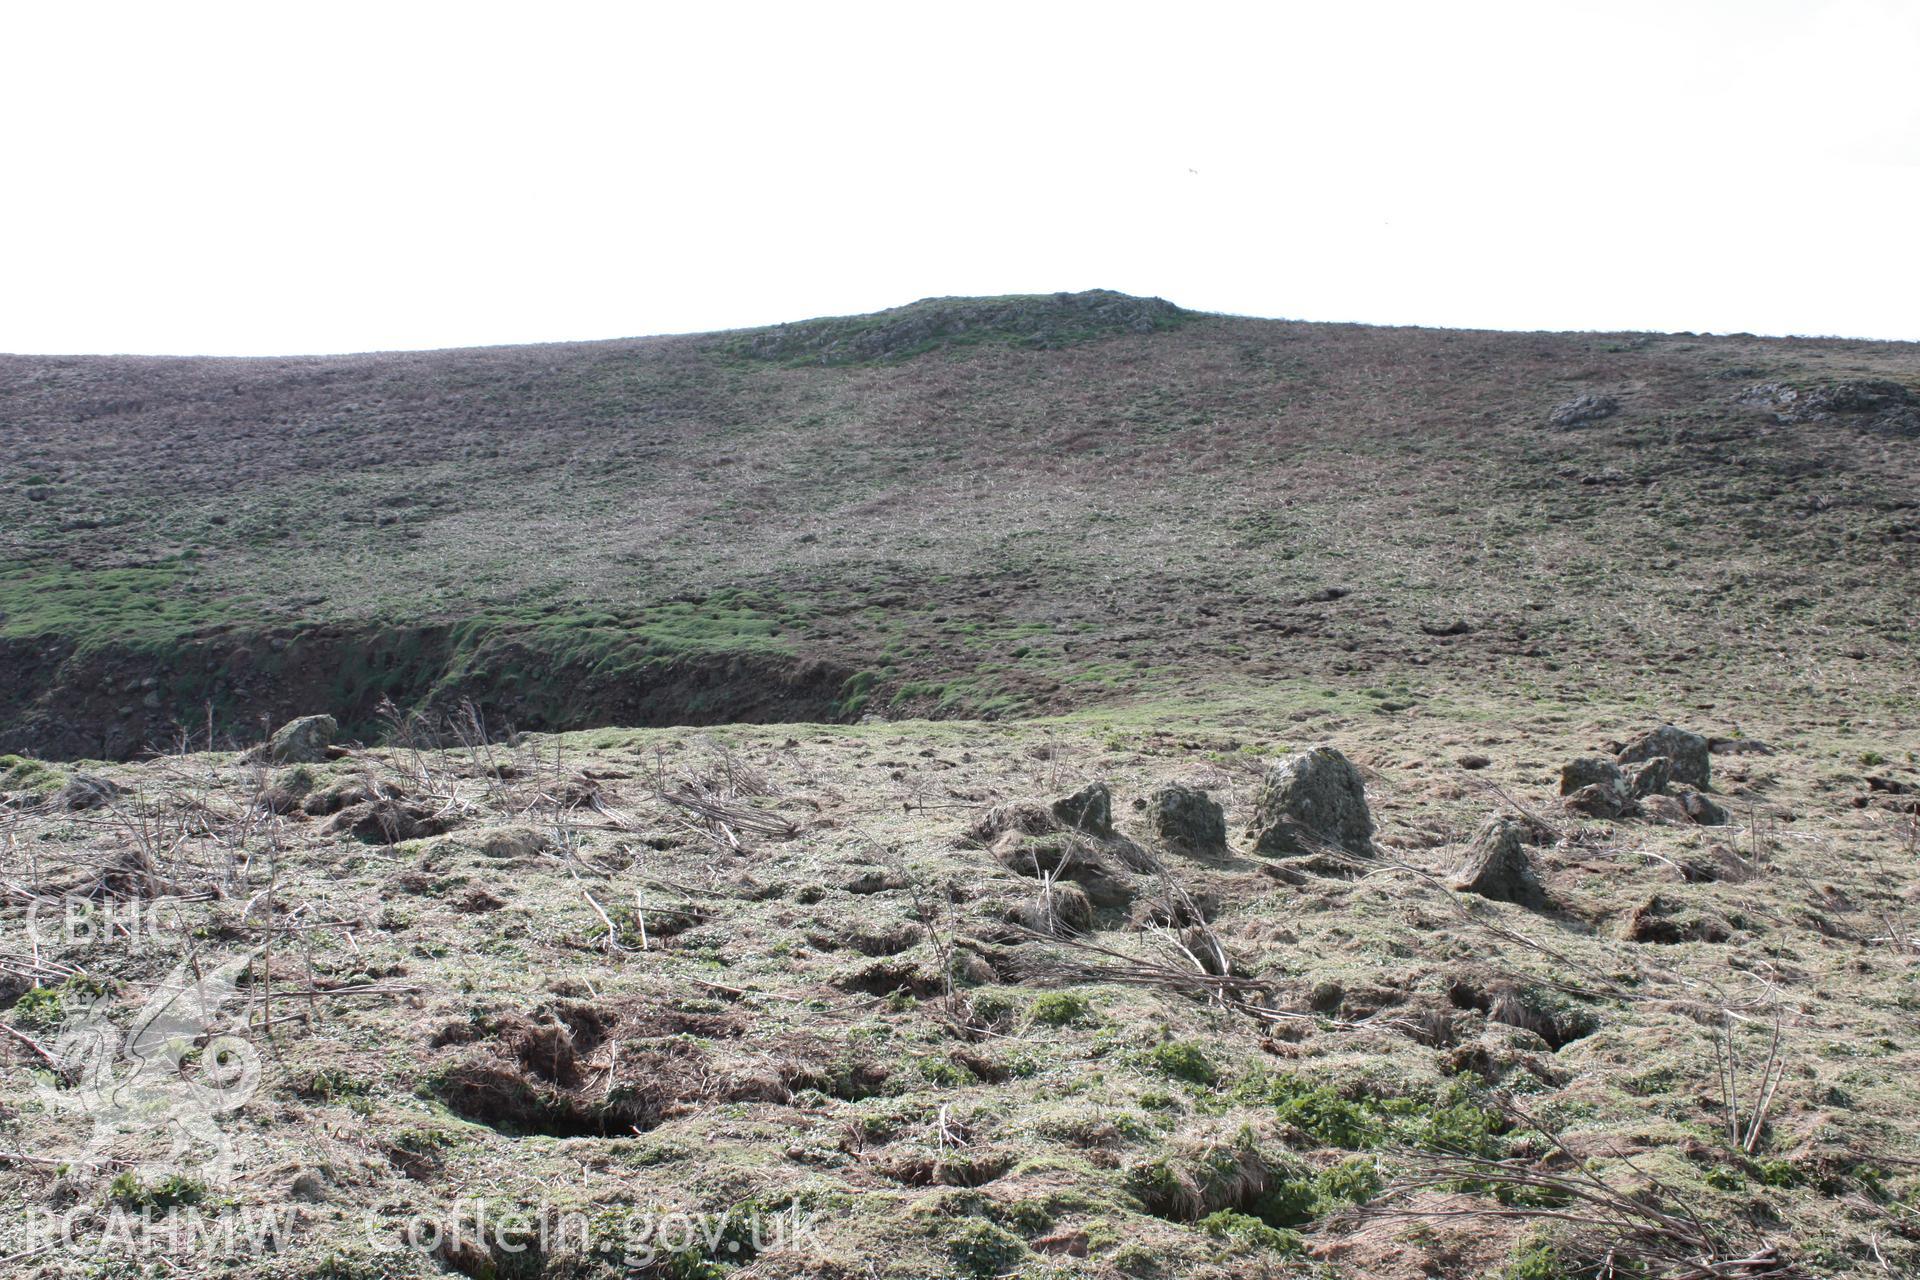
x,y
22,773
143,608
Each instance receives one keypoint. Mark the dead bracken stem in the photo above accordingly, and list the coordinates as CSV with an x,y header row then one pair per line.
x,y
1647,1229
1745,1137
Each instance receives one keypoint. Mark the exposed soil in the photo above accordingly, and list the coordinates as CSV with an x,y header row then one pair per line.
x,y
110,702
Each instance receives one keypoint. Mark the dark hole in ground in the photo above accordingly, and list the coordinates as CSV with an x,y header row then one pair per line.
x,y
1505,1003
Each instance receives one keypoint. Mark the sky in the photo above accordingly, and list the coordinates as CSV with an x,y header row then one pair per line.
x,y
277,178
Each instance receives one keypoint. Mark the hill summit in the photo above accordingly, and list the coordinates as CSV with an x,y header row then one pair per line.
x,y
1038,321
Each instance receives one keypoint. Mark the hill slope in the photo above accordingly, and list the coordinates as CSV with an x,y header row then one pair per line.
x,y
1278,889
965,506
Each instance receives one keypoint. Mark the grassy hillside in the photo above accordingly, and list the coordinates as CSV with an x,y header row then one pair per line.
x,y
983,506
990,923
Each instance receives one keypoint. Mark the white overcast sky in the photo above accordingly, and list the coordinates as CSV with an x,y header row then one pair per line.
x,y
275,177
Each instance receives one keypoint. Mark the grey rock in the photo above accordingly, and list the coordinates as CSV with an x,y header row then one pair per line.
x,y
1584,409
1599,801
1651,777
1691,762
302,741
1894,408
1309,801
1497,865
1593,771
1701,809
1089,809
513,843
1861,396
1188,820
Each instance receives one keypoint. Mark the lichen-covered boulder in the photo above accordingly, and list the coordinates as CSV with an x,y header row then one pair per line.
x,y
302,741
1090,809
1595,787
1583,409
1187,820
1689,759
1592,771
1309,802
1497,865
